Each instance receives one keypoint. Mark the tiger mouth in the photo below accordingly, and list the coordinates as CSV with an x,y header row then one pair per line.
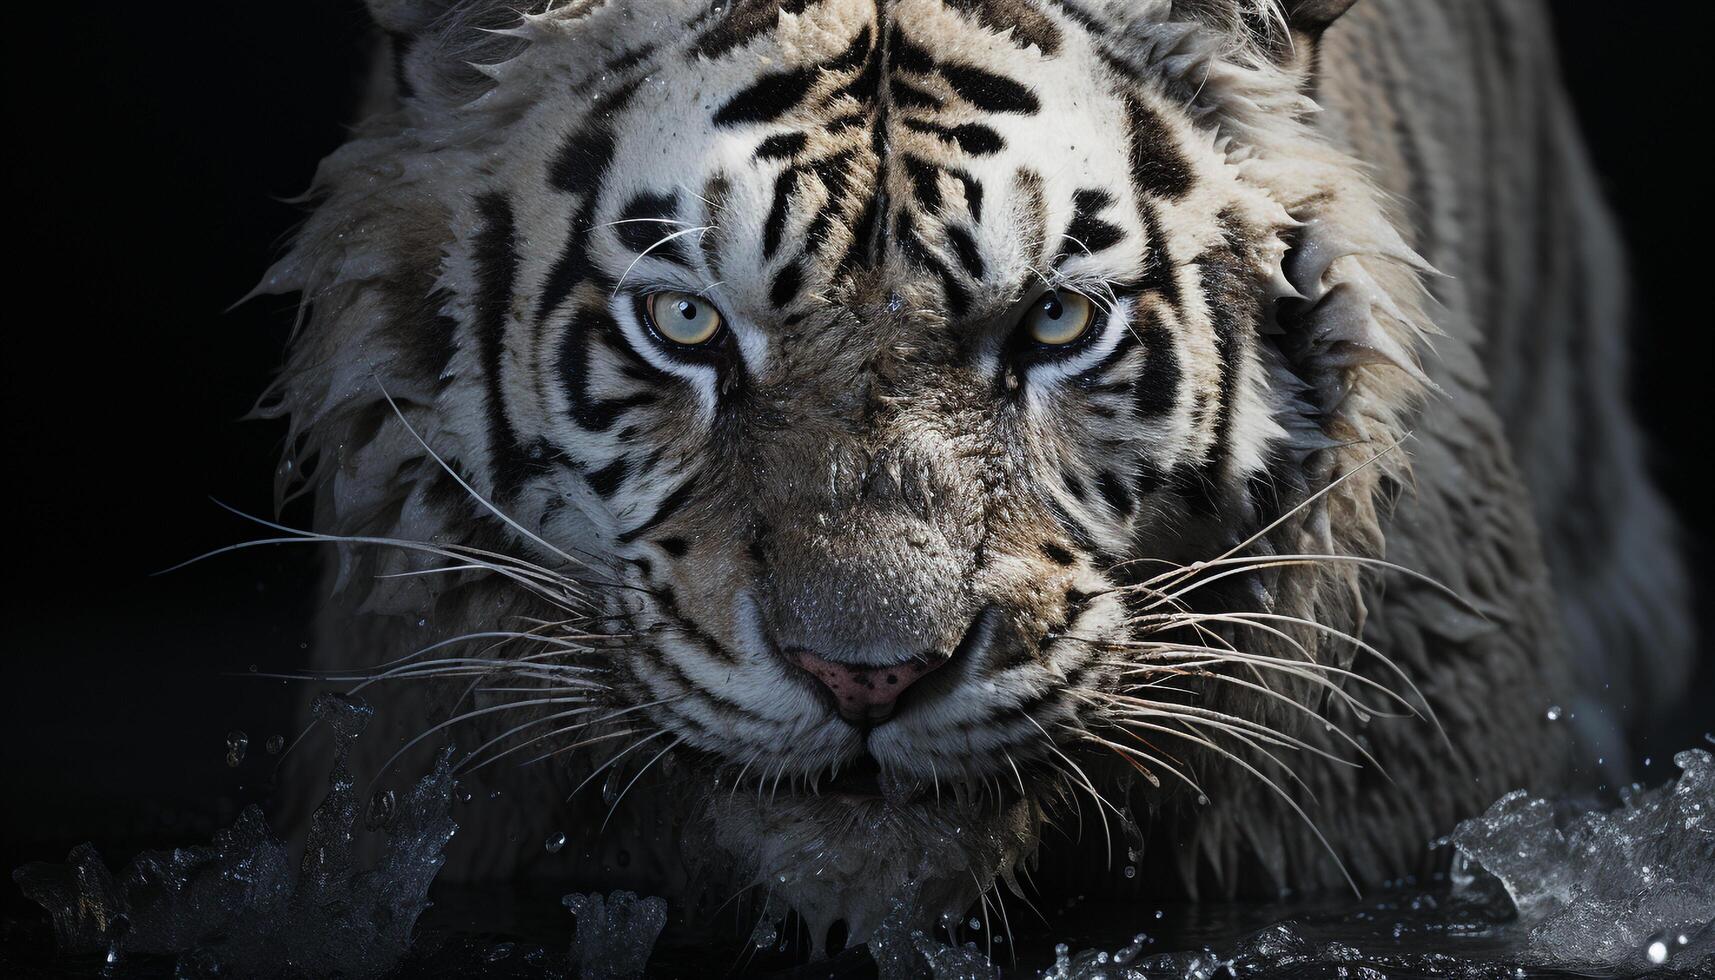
x,y
863,782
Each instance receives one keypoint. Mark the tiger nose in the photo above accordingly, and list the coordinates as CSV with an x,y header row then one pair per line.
x,y
866,693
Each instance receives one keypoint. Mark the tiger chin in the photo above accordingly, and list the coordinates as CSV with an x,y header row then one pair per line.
x,y
859,449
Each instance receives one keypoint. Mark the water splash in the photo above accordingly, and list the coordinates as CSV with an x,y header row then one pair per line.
x,y
1621,891
237,907
1628,888
615,934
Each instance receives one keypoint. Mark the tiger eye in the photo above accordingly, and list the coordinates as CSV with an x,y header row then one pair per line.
x,y
684,319
1059,317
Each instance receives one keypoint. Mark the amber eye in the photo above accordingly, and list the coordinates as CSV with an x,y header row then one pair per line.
x,y
683,318
1058,317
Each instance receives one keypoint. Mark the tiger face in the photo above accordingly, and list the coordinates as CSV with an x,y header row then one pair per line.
x,y
864,357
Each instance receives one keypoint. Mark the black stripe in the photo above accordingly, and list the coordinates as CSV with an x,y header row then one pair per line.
x,y
856,53
990,92
925,181
774,226
743,22
1088,233
1057,554
496,257
865,86
675,500
965,247
587,328
768,98
579,168
1075,486
1159,273
1157,166
583,158
714,197
957,298
973,138
1229,303
903,54
973,194
835,175
786,284
1025,24
781,146
859,252
647,219
1114,491
625,61
607,479
1156,391
908,96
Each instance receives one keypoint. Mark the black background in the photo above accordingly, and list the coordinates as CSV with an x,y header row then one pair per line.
x,y
149,157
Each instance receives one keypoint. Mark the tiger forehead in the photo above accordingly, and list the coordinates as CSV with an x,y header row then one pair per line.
x,y
797,144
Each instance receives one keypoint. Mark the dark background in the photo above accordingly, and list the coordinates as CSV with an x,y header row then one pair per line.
x,y
149,155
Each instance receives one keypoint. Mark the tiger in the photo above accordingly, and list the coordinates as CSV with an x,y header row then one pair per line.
x,y
865,448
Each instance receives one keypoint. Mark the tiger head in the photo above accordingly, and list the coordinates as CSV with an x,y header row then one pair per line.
x,y
873,375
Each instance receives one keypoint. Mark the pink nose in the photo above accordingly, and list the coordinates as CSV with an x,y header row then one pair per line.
x,y
866,692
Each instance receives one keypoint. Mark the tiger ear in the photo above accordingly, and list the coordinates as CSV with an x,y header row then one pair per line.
x,y
1305,22
432,45
1309,18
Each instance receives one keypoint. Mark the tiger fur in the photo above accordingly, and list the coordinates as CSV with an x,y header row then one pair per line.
x,y
1340,317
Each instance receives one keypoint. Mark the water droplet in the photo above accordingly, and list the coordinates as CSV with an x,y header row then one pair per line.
x,y
1554,712
1130,871
765,933
274,744
556,840
610,787
975,923
1657,952
236,745
383,808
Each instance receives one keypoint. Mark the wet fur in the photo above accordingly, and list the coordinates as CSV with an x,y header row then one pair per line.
x,y
1360,428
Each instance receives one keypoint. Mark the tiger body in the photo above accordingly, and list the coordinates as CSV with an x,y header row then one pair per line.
x,y
708,555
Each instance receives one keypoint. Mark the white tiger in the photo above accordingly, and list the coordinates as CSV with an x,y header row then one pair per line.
x,y
859,434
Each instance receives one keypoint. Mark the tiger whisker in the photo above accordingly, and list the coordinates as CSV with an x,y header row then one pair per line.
x,y
1254,621
466,716
1428,713
1145,756
614,806
1310,671
1085,780
505,518
1142,707
468,764
617,713
604,766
